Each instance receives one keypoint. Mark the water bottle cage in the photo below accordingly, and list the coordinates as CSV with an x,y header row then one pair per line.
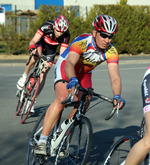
x,y
56,135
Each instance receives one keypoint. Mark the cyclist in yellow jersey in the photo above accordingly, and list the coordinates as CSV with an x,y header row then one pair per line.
x,y
75,66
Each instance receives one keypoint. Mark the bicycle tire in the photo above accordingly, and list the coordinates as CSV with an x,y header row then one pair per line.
x,y
32,159
120,150
30,95
72,144
19,105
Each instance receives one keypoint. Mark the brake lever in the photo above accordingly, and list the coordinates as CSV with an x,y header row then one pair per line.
x,y
74,93
70,96
117,111
113,112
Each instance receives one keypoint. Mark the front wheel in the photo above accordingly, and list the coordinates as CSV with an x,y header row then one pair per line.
x,y
76,143
31,158
119,151
31,92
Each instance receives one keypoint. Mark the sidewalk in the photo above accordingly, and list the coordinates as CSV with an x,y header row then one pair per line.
x,y
14,57
138,59
20,60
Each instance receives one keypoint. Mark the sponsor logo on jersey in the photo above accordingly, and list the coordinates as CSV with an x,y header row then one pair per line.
x,y
45,27
111,49
146,108
147,100
92,57
83,44
145,88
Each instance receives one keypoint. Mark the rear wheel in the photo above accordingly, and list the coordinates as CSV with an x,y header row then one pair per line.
x,y
30,95
120,150
76,143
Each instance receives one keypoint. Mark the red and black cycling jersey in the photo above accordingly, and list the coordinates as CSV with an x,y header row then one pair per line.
x,y
49,41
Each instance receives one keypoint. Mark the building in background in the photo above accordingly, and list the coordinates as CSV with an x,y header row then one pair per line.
x,y
2,16
12,5
103,2
31,6
24,5
85,5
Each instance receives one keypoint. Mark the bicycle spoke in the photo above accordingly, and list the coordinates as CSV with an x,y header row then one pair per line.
x,y
31,157
75,145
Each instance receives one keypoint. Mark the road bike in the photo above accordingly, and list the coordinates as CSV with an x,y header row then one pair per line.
x,y
69,142
27,96
119,151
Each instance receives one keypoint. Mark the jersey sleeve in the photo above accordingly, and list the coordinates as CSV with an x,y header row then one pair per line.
x,y
79,45
111,55
42,28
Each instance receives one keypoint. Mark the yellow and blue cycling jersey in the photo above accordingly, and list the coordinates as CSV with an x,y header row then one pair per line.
x,y
90,56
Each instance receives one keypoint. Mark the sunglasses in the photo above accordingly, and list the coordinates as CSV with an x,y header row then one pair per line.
x,y
104,35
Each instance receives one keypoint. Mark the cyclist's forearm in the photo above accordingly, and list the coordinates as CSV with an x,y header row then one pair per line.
x,y
35,39
116,86
69,69
70,64
32,43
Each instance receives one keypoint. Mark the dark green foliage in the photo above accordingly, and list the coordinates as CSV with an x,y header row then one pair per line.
x,y
133,26
133,36
123,2
12,42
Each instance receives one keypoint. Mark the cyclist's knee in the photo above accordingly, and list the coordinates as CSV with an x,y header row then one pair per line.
x,y
146,142
43,76
58,103
46,68
33,59
62,98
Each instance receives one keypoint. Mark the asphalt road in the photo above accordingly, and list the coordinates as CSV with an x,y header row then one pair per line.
x,y
14,136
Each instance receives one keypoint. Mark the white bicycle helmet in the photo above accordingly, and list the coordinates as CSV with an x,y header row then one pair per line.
x,y
105,23
61,24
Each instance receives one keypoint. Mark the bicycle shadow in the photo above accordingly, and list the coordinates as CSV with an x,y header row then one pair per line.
x,y
39,110
103,140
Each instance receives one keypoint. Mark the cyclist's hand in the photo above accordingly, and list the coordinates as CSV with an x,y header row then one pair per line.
x,y
117,99
71,85
73,82
33,51
47,65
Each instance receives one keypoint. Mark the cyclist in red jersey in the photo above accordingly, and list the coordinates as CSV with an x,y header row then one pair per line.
x,y
75,66
45,42
141,148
